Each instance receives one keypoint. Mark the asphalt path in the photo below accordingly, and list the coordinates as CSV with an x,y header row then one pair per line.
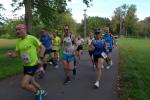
x,y
81,87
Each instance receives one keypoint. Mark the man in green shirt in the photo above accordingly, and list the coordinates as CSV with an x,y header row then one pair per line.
x,y
26,47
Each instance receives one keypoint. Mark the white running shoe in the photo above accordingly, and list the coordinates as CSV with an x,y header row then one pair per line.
x,y
96,84
56,66
108,67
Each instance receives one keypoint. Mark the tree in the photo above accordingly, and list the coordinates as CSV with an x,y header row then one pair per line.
x,y
7,30
117,21
42,6
140,29
95,23
146,23
55,25
131,20
1,16
125,19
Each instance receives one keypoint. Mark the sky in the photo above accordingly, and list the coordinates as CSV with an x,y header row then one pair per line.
x,y
101,8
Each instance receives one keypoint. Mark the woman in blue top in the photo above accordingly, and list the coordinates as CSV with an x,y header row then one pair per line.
x,y
98,45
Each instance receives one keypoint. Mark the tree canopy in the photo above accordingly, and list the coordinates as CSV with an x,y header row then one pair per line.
x,y
45,9
54,15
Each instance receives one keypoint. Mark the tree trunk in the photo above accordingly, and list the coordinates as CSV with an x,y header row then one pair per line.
x,y
28,15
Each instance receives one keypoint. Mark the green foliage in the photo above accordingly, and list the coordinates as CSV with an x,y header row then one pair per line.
x,y
146,23
87,2
53,15
135,70
7,30
56,25
130,20
1,15
47,10
125,20
94,23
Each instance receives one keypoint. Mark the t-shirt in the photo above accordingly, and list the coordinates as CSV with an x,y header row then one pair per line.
x,y
99,46
79,42
90,47
56,43
27,48
46,41
109,40
68,46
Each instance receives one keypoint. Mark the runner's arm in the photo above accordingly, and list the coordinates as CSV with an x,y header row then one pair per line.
x,y
41,50
105,47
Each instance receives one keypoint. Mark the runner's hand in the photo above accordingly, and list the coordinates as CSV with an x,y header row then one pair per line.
x,y
9,54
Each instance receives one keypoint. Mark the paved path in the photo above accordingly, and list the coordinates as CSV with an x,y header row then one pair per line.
x,y
79,89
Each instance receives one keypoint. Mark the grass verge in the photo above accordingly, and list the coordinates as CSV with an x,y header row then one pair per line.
x,y
135,69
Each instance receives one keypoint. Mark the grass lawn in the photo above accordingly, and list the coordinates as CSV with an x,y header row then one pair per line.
x,y
135,69
4,43
8,66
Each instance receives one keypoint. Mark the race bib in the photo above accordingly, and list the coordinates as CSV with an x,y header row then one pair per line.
x,y
107,44
104,55
25,57
69,50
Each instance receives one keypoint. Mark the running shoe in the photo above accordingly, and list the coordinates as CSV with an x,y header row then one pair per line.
x,y
67,80
96,84
43,93
38,95
108,67
56,66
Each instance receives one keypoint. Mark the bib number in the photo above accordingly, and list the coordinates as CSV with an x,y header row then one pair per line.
x,y
25,57
104,55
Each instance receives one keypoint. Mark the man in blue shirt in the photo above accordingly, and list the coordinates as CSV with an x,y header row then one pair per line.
x,y
45,38
109,45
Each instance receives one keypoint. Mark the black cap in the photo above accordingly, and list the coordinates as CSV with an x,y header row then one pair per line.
x,y
97,32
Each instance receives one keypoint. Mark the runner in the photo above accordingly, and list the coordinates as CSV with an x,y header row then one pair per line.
x,y
26,47
76,56
55,50
79,43
68,54
99,47
116,41
90,49
45,38
109,43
